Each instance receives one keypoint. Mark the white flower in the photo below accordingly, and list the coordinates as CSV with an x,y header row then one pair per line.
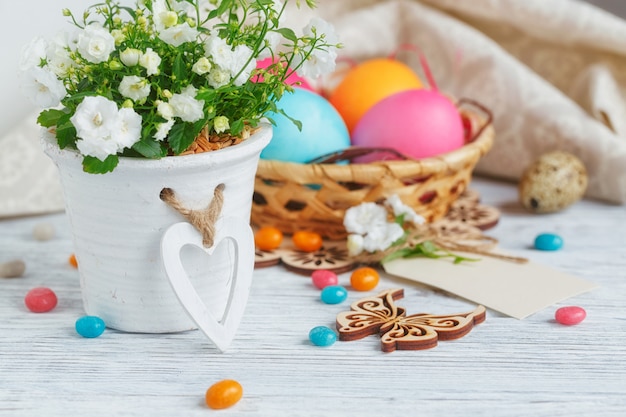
x,y
217,49
382,236
130,57
318,63
95,43
220,124
104,130
59,59
150,60
135,88
128,130
241,61
33,53
159,14
321,28
272,40
186,107
360,219
218,77
168,18
179,34
399,208
118,36
202,66
165,110
163,129
95,118
42,87
354,244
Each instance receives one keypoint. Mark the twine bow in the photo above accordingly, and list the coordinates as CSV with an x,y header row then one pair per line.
x,y
203,220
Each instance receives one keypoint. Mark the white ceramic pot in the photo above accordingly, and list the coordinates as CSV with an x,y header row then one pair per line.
x,y
118,220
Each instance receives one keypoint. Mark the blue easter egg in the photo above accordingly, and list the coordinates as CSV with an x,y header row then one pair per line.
x,y
322,336
333,294
323,129
548,242
90,326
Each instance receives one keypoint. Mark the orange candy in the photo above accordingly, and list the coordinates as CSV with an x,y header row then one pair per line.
x,y
72,260
307,241
268,238
364,279
223,394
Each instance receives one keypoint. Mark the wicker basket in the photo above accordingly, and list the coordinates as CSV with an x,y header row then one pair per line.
x,y
315,196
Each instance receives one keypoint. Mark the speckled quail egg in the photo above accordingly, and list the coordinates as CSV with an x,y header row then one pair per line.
x,y
553,182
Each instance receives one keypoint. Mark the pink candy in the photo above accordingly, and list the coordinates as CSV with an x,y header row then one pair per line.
x,y
40,300
570,315
323,278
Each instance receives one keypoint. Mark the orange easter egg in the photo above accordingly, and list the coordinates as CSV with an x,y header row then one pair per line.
x,y
368,83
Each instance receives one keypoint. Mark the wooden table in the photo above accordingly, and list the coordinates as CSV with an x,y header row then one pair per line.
x,y
504,367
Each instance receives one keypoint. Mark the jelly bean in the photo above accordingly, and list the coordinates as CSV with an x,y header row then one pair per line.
x,y
323,278
364,279
40,300
548,242
72,261
268,238
307,241
12,269
322,336
90,326
334,294
223,394
43,231
570,315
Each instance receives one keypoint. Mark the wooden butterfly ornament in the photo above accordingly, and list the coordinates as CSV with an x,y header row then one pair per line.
x,y
379,314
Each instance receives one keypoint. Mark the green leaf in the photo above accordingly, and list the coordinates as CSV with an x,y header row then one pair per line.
x,y
50,118
298,123
149,148
181,136
179,68
236,127
426,249
288,34
65,132
93,165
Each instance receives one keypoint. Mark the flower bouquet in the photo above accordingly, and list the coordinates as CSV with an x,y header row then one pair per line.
x,y
136,93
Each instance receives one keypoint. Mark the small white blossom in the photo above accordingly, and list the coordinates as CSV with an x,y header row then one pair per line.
x,y
218,77
220,124
168,18
95,118
186,107
272,41
150,60
134,87
179,34
59,60
319,61
165,110
219,51
159,14
354,244
163,129
33,53
42,87
95,43
130,57
360,219
128,130
242,65
202,66
399,209
382,236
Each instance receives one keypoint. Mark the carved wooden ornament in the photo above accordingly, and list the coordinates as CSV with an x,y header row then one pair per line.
x,y
379,314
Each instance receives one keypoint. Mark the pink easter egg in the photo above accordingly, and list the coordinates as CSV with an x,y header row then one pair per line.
x,y
293,78
419,123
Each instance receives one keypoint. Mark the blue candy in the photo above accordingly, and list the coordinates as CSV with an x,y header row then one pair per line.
x,y
334,294
548,242
90,326
322,336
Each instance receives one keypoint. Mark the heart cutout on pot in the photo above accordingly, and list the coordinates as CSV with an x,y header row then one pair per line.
x,y
221,331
